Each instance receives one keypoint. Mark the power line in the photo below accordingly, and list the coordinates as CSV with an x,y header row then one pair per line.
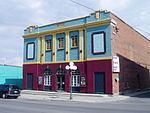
x,y
82,5
94,10
141,30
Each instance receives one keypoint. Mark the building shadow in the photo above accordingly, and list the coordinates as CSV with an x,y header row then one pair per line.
x,y
134,76
143,95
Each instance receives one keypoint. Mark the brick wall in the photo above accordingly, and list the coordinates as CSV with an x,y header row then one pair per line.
x,y
134,52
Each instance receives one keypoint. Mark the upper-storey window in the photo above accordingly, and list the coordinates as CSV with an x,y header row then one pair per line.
x,y
74,41
61,43
48,45
30,51
98,43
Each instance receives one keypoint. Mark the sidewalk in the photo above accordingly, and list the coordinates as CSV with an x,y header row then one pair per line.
x,y
79,97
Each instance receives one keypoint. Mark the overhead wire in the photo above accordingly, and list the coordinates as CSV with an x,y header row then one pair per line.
x,y
82,5
94,10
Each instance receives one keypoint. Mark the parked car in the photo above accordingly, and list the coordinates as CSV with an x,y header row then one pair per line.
x,y
9,90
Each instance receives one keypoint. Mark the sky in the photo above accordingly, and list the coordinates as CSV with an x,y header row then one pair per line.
x,y
16,15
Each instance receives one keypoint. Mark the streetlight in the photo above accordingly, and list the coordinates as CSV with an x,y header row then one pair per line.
x,y
71,67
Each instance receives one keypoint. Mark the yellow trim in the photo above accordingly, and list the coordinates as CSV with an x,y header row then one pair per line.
x,y
67,46
81,45
54,48
43,49
99,58
48,49
31,63
39,49
77,27
85,44
60,48
89,59
74,47
61,22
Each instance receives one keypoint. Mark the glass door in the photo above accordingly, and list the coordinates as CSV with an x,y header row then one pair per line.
x,y
60,82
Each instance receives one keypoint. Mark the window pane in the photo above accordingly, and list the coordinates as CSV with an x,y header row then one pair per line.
x,y
47,80
98,43
61,43
30,51
76,80
48,45
74,41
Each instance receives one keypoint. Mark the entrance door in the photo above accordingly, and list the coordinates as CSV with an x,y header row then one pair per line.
x,y
60,82
30,81
99,82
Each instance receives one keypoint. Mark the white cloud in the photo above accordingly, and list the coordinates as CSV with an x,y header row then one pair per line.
x,y
18,14
16,61
31,4
117,4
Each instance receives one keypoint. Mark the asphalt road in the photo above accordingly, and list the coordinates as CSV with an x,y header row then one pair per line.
x,y
138,104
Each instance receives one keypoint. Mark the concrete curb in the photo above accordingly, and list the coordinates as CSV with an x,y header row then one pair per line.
x,y
77,97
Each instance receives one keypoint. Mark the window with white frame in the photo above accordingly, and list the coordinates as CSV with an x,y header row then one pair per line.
x,y
48,45
75,80
98,43
47,80
30,51
74,41
61,43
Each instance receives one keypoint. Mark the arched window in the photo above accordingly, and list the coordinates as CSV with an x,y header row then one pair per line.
x,y
60,71
47,77
76,78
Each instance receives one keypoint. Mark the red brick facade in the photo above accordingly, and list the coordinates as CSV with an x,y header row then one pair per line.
x,y
133,50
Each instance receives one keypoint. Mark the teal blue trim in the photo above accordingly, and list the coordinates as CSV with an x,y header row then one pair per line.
x,y
48,54
74,52
90,31
11,75
26,42
60,55
70,23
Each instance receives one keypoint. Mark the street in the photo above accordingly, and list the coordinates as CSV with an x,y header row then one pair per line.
x,y
137,104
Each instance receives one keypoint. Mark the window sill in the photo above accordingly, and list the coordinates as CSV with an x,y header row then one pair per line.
x,y
96,53
48,50
60,48
74,47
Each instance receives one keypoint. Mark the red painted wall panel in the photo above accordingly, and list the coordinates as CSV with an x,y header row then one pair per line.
x,y
86,69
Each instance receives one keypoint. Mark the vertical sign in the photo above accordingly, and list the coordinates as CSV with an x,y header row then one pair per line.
x,y
116,64
39,80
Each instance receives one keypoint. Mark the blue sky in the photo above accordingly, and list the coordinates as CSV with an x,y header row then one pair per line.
x,y
16,15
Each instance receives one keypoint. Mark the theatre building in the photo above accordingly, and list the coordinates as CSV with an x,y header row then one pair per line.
x,y
111,57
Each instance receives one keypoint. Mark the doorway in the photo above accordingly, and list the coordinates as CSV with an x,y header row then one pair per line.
x,y
61,82
30,81
99,82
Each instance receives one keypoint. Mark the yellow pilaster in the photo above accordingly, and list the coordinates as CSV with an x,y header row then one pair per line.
x,y
67,47
81,45
43,49
54,48
39,49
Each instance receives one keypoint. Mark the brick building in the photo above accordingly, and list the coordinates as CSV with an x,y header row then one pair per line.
x,y
110,55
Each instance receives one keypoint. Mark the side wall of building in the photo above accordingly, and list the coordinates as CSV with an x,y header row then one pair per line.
x,y
11,75
133,50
